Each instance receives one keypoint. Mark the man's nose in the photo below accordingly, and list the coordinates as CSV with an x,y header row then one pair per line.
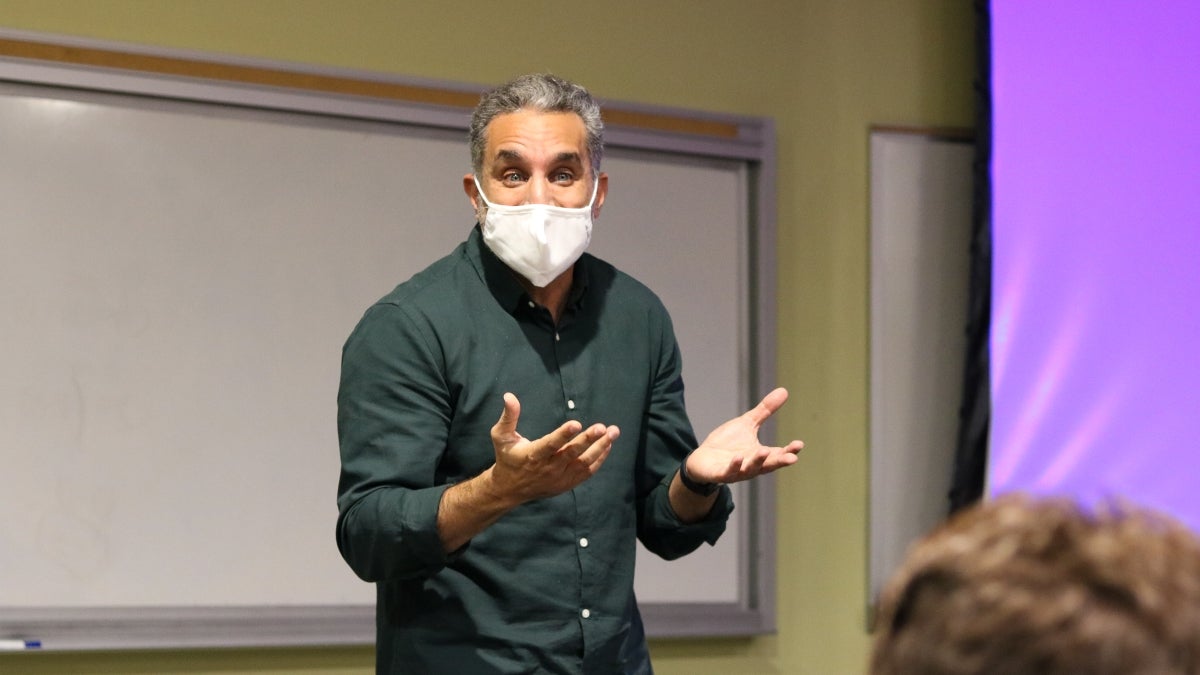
x,y
539,192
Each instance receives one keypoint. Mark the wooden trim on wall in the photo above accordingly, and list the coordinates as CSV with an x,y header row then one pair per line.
x,y
964,134
331,84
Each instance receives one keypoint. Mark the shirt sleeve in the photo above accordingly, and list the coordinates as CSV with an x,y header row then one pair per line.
x,y
393,419
668,439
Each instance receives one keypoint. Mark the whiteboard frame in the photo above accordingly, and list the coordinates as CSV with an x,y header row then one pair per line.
x,y
98,628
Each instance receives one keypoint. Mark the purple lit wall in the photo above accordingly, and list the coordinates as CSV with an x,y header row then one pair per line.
x,y
1095,345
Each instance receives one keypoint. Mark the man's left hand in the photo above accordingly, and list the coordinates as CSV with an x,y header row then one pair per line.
x,y
732,452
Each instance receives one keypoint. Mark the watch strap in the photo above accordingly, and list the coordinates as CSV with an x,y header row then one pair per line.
x,y
702,489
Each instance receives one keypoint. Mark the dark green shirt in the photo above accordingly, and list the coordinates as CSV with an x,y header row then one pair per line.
x,y
549,587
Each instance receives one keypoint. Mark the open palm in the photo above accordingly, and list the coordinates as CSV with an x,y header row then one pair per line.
x,y
732,452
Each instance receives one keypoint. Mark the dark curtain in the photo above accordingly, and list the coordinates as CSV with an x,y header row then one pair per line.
x,y
974,414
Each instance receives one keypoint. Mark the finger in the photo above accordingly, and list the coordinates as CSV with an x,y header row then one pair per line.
x,y
555,440
767,407
581,442
595,453
598,461
783,460
781,457
504,431
507,424
753,464
572,449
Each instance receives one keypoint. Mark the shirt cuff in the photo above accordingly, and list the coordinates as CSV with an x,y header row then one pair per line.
x,y
708,529
418,520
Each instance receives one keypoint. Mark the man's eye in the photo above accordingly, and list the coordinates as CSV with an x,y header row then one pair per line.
x,y
512,177
564,177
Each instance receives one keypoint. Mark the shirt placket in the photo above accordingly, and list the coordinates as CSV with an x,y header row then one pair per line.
x,y
573,400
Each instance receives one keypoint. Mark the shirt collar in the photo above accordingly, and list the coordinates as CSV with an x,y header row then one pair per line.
x,y
502,282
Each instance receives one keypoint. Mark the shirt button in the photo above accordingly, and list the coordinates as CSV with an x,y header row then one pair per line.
x,y
583,542
585,613
532,304
571,405
556,337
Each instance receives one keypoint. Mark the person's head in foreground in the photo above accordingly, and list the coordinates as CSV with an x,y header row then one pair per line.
x,y
1032,586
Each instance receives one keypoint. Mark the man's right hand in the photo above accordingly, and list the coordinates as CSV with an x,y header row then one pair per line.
x,y
550,465
524,470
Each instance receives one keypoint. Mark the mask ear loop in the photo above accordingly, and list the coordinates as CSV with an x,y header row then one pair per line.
x,y
595,191
592,202
479,191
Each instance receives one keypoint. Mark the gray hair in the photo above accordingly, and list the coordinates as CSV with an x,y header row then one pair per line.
x,y
543,93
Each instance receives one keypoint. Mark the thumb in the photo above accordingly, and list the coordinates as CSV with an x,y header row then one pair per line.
x,y
767,407
506,426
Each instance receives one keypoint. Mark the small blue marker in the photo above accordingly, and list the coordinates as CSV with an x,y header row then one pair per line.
x,y
19,645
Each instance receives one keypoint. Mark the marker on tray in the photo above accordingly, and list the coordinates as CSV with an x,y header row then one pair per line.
x,y
19,645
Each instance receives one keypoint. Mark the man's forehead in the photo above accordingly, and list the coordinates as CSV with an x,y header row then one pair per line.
x,y
513,135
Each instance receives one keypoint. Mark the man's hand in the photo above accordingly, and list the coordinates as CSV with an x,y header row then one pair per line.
x,y
550,465
732,452
524,470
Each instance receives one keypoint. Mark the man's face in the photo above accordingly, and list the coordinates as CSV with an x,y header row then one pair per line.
x,y
537,158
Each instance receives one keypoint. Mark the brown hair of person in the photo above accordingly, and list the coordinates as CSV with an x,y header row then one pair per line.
x,y
1029,586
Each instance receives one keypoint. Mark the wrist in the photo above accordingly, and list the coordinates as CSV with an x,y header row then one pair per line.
x,y
493,493
694,486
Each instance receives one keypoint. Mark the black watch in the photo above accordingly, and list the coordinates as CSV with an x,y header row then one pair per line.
x,y
702,489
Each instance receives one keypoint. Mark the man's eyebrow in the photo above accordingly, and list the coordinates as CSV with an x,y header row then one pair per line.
x,y
509,155
516,156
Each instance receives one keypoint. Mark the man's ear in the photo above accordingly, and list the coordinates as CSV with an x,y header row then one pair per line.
x,y
472,192
477,204
601,193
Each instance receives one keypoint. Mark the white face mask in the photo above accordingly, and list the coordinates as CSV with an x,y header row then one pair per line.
x,y
538,241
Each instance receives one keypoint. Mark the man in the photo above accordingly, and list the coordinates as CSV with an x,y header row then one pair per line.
x,y
1024,586
507,545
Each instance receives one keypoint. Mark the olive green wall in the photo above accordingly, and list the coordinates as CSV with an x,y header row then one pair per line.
x,y
825,70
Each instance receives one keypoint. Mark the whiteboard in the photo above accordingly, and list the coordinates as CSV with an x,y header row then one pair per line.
x,y
177,279
921,188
